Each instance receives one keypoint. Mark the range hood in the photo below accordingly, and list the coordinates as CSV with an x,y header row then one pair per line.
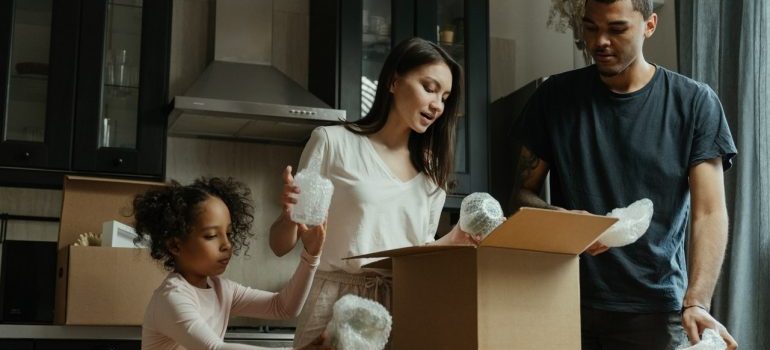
x,y
246,100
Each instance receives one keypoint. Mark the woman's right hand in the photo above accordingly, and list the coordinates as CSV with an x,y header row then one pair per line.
x,y
289,193
312,238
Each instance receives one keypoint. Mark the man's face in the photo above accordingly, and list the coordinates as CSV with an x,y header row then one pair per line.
x,y
614,34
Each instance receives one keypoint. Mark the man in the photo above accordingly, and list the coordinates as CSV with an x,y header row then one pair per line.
x,y
618,131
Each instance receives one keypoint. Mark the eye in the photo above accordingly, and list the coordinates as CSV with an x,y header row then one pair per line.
x,y
209,237
589,28
428,88
618,30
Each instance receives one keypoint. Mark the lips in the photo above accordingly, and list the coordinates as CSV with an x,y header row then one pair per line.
x,y
224,261
428,116
603,56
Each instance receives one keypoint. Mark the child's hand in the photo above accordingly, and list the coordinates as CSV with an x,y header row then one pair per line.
x,y
318,344
312,238
289,193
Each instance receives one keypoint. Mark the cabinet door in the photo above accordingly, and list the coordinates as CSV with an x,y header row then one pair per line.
x,y
354,37
87,345
38,44
123,87
460,27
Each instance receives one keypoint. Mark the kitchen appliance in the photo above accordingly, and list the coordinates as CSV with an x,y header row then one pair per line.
x,y
28,282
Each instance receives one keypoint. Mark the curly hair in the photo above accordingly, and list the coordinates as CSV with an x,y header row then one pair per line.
x,y
163,214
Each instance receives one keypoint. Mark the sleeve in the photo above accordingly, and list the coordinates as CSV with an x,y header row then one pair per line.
x,y
711,136
533,128
282,305
316,151
436,206
176,316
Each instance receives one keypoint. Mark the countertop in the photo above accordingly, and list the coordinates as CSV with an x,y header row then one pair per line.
x,y
10,331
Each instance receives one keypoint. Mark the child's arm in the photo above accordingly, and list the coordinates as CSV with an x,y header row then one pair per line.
x,y
282,305
178,318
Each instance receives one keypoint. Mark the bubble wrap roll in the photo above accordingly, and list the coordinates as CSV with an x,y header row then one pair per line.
x,y
710,340
633,223
480,214
314,197
358,324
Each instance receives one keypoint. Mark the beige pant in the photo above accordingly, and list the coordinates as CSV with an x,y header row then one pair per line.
x,y
327,288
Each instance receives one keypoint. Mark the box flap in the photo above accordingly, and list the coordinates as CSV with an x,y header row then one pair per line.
x,y
382,264
551,231
88,202
410,251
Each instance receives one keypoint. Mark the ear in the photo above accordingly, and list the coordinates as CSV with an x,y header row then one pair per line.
x,y
650,25
173,246
393,83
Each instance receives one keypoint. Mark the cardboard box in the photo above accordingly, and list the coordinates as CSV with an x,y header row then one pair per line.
x,y
101,285
519,289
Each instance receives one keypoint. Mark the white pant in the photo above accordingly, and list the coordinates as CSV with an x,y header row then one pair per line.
x,y
328,287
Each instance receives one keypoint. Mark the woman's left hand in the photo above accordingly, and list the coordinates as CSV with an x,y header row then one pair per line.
x,y
458,237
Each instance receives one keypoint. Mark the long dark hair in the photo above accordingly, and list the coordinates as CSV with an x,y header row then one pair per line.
x,y
431,152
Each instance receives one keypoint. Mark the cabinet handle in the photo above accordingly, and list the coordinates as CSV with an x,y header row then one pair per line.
x,y
118,161
27,155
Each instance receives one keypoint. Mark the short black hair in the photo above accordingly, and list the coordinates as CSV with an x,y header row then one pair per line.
x,y
169,212
642,6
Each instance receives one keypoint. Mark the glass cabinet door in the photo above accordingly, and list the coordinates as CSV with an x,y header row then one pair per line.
x,y
376,21
120,74
450,35
37,74
122,87
25,107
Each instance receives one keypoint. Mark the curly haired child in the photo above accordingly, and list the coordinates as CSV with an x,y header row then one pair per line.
x,y
194,230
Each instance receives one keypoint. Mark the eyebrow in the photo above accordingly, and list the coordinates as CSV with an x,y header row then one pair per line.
x,y
613,23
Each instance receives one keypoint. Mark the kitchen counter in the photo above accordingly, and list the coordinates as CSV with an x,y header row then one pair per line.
x,y
9,331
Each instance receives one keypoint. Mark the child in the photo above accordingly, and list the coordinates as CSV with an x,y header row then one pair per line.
x,y
194,230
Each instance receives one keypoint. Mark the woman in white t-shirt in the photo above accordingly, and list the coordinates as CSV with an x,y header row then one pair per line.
x,y
390,172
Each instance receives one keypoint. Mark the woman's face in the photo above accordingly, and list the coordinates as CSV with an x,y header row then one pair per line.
x,y
419,95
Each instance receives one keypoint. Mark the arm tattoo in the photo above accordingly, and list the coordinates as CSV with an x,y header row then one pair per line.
x,y
528,162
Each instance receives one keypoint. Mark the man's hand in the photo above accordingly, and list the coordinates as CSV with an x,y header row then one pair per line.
x,y
695,320
312,238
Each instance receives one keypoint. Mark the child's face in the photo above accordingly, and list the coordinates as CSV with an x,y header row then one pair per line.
x,y
206,251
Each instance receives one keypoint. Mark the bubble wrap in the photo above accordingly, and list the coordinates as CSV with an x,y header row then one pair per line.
x,y
710,340
314,197
633,223
480,214
358,324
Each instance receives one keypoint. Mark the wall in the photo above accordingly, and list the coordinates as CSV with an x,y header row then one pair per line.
x,y
523,48
279,39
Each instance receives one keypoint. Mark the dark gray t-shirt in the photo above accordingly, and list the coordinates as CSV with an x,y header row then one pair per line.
x,y
607,150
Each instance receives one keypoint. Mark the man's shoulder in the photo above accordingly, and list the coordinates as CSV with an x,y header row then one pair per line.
x,y
682,84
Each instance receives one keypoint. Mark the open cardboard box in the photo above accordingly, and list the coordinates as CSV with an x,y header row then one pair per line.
x,y
101,285
519,289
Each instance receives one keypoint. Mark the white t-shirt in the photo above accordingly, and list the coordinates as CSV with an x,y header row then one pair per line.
x,y
181,316
371,209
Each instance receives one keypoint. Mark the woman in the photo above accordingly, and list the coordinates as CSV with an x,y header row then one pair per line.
x,y
390,172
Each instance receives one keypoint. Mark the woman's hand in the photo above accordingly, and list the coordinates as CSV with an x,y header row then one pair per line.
x,y
312,238
457,237
289,193
317,344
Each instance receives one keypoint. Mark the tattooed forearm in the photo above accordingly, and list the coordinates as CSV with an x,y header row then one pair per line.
x,y
527,163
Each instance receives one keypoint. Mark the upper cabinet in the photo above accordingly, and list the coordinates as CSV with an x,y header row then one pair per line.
x,y
83,89
349,40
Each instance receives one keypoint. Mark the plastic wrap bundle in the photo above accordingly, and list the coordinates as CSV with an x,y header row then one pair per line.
x,y
314,197
633,223
358,324
710,340
480,214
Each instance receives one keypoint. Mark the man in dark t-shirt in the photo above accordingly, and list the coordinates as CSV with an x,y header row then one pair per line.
x,y
618,131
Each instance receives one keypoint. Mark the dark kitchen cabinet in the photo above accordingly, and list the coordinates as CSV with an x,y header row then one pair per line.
x,y
87,345
83,89
349,40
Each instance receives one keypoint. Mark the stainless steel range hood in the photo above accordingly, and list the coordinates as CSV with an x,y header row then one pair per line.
x,y
247,100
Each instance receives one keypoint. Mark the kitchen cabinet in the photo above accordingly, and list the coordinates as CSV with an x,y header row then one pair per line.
x,y
87,345
83,89
350,39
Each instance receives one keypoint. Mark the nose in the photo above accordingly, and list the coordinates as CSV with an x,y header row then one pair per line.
x,y
437,106
602,40
226,244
